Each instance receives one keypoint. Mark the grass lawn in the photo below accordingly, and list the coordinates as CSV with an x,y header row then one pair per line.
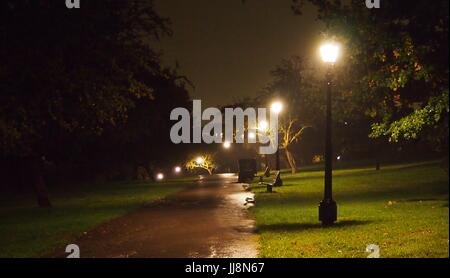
x,y
401,208
27,231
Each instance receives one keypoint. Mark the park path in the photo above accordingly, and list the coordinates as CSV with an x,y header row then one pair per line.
x,y
207,220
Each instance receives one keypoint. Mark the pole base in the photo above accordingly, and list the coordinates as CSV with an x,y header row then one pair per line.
x,y
327,211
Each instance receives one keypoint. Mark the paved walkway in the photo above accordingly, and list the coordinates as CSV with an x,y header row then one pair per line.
x,y
208,220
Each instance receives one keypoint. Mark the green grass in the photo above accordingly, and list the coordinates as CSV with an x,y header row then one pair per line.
x,y
402,208
27,231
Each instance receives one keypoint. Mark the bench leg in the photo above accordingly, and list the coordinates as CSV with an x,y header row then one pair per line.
x,y
269,188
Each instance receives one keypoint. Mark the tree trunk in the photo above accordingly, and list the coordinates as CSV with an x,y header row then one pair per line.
x,y
377,160
377,164
266,161
142,174
38,184
378,154
291,160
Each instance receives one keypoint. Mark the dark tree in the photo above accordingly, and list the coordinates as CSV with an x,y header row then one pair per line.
x,y
296,84
72,79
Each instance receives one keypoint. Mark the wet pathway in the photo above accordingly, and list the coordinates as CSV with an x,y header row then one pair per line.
x,y
208,220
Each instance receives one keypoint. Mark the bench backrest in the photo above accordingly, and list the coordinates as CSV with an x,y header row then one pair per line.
x,y
277,179
267,171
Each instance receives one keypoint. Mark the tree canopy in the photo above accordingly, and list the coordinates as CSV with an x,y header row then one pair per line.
x,y
395,62
85,85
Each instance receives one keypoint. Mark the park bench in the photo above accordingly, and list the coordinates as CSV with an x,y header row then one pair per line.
x,y
265,174
276,182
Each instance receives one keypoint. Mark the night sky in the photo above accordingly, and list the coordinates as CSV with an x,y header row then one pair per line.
x,y
228,48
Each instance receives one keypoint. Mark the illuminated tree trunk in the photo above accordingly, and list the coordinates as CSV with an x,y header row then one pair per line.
x,y
266,161
291,161
209,171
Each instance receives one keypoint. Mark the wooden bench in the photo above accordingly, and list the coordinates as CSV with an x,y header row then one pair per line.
x,y
276,182
265,174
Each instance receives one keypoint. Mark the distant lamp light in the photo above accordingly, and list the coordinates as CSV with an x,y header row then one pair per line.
x,y
226,145
338,157
251,135
329,52
160,176
177,169
199,160
276,107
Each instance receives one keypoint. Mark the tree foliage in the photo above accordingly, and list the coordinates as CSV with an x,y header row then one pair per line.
x,y
395,60
85,86
72,71
205,162
295,84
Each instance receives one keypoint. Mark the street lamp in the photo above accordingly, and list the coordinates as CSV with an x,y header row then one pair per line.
x,y
329,53
251,135
328,207
226,145
177,169
199,160
277,107
160,176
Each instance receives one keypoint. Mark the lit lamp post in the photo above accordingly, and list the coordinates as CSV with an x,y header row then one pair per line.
x,y
160,176
199,160
328,207
277,107
226,145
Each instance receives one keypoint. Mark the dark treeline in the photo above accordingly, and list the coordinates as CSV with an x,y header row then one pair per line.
x,y
390,85
83,95
390,93
300,86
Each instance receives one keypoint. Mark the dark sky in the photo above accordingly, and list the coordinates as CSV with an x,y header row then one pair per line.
x,y
228,48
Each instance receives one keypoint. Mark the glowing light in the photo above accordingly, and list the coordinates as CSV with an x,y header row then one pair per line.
x,y
251,135
276,107
329,52
339,157
199,160
160,176
226,145
177,169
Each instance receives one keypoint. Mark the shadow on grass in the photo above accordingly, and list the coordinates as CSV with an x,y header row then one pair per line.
x,y
290,227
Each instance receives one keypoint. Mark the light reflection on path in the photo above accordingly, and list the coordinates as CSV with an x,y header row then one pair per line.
x,y
209,220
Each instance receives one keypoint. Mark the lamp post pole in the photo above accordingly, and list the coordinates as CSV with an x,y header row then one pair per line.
x,y
277,158
328,207
328,143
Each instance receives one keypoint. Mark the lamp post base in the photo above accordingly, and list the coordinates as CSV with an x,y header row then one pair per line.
x,y
327,211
